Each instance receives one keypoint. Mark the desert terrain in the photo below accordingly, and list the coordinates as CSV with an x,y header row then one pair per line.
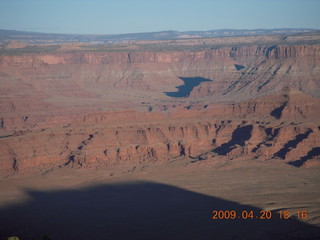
x,y
145,139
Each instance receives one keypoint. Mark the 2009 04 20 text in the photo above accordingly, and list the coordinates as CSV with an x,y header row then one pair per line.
x,y
263,214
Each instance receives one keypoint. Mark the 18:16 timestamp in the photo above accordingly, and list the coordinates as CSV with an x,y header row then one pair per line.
x,y
220,215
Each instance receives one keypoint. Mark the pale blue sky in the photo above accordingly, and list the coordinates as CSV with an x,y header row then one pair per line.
x,y
128,16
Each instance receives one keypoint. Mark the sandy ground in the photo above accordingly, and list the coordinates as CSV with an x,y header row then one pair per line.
x,y
174,200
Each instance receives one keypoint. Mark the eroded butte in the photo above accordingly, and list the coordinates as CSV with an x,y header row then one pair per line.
x,y
188,113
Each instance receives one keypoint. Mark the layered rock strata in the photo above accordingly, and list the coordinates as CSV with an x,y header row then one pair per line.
x,y
131,138
103,107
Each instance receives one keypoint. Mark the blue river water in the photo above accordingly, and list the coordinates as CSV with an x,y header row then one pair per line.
x,y
185,89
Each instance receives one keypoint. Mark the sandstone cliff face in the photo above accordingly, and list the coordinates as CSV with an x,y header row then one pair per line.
x,y
287,104
285,52
264,68
88,81
62,109
99,140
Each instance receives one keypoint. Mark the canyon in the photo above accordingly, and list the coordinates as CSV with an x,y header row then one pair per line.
x,y
187,107
64,107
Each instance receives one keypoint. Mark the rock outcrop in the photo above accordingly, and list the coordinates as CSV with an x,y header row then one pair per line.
x,y
131,138
265,68
94,108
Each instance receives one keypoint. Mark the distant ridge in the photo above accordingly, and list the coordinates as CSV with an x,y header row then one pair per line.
x,y
47,38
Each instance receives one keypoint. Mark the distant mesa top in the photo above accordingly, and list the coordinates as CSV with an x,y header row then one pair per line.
x,y
49,38
185,89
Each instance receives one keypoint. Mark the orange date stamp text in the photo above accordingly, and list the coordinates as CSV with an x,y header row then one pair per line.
x,y
263,214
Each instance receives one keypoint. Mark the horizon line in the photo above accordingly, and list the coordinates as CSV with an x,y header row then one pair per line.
x,y
188,31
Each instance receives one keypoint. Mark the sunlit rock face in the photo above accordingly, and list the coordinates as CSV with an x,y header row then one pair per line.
x,y
80,106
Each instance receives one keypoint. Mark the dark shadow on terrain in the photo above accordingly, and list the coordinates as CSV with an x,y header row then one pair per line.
x,y
70,159
239,136
312,153
185,89
277,112
269,49
6,136
271,134
139,210
292,144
